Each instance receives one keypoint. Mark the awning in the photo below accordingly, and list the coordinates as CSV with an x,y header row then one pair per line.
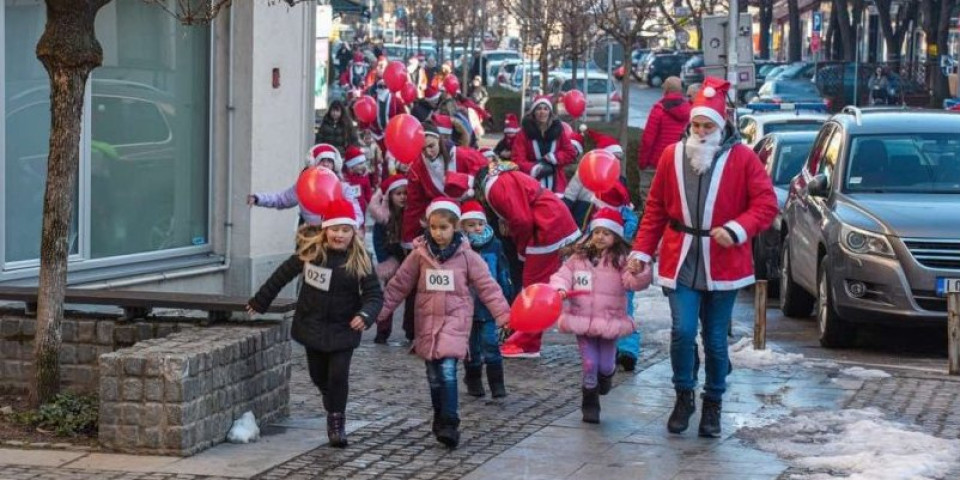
x,y
346,6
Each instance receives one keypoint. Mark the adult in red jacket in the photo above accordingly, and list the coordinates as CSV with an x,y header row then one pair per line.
x,y
440,172
537,222
665,126
710,196
542,148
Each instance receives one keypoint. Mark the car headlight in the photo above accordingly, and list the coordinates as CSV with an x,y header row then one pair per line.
x,y
863,242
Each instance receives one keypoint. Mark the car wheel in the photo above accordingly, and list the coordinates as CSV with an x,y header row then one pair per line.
x,y
794,300
656,81
834,331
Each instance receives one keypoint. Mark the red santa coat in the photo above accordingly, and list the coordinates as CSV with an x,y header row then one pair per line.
x,y
423,187
527,152
538,221
360,187
747,206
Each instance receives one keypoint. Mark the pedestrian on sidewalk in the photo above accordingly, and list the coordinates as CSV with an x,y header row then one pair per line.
x,y
336,128
594,281
443,270
542,148
340,298
484,341
537,222
386,210
665,126
710,196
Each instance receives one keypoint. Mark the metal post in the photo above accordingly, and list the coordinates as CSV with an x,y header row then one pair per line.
x,y
606,117
733,25
523,75
856,69
953,333
760,315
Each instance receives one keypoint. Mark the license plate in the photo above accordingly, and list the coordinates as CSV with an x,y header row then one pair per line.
x,y
947,285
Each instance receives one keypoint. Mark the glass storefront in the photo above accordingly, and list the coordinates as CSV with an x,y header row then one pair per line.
x,y
144,170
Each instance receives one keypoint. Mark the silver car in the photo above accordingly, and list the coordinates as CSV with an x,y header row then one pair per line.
x,y
872,223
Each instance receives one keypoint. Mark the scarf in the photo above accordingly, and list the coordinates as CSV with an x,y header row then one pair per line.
x,y
443,254
480,240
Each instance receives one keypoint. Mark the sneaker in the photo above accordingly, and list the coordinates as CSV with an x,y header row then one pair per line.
x,y
509,350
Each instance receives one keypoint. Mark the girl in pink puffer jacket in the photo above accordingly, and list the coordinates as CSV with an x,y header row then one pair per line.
x,y
444,269
594,281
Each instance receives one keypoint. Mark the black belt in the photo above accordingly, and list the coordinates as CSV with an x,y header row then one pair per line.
x,y
680,227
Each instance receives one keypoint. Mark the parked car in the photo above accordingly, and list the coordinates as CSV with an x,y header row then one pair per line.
x,y
798,71
660,66
764,67
753,126
870,223
486,61
788,91
783,154
692,71
599,88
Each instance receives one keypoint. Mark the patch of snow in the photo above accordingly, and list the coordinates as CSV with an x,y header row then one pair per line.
x,y
864,373
743,355
244,429
857,445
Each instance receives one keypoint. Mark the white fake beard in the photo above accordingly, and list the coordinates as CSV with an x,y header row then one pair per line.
x,y
700,151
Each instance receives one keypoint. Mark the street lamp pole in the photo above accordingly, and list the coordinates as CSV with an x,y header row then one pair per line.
x,y
732,58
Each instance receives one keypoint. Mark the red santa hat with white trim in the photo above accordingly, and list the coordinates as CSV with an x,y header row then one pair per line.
x,y
339,212
541,100
443,203
472,210
610,219
431,94
510,124
355,156
616,197
605,142
325,151
444,124
392,183
488,153
711,101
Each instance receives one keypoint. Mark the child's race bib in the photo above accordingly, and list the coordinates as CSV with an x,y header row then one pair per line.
x,y
582,281
353,191
317,276
439,280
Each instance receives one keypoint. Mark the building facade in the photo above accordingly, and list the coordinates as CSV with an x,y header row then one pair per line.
x,y
180,124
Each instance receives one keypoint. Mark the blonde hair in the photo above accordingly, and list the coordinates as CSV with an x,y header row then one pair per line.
x,y
312,246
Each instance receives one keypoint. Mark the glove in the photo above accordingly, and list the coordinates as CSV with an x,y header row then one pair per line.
x,y
542,170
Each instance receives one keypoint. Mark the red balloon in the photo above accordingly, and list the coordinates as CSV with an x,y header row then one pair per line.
x,y
599,171
408,93
365,109
395,76
575,103
451,84
316,188
404,137
535,309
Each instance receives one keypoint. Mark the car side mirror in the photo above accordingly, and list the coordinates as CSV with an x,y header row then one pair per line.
x,y
818,186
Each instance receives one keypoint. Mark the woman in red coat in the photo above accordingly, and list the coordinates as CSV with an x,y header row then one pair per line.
x,y
542,148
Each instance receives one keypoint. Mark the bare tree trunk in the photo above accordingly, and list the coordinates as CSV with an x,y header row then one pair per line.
x,y
795,40
625,108
766,21
68,50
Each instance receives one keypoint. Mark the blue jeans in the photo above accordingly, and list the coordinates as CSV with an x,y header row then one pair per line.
x,y
484,344
685,309
442,376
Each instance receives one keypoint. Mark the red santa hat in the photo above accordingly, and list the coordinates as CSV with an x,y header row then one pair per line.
x,y
432,93
340,212
510,124
615,198
444,124
488,153
541,100
711,101
357,56
472,210
355,156
325,151
392,183
610,219
430,130
605,142
443,203
577,140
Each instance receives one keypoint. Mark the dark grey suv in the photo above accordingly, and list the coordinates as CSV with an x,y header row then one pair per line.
x,y
872,223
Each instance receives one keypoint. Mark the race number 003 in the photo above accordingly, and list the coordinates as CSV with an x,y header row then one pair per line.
x,y
439,280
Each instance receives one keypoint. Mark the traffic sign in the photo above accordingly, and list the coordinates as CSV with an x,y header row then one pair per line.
x,y
817,21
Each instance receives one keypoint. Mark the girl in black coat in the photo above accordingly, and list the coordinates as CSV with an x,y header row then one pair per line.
x,y
341,297
336,128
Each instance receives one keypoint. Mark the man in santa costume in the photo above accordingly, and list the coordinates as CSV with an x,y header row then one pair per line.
x,y
355,74
542,149
709,197
538,224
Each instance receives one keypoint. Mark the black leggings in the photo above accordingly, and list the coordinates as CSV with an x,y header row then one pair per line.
x,y
330,372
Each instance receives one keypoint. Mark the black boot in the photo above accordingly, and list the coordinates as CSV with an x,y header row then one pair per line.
x,y
628,363
591,405
437,422
473,378
381,338
336,430
682,410
604,383
495,379
449,433
710,418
